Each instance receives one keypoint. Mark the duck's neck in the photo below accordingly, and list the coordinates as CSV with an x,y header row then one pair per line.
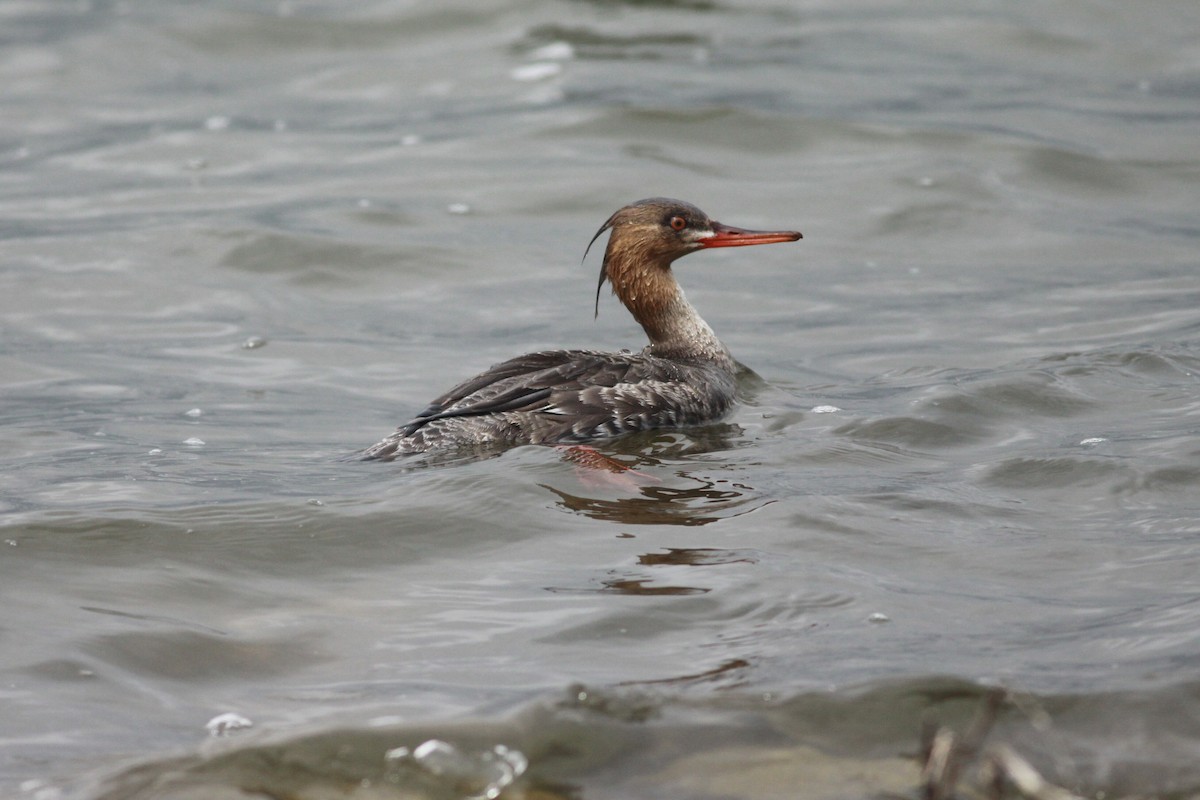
x,y
674,327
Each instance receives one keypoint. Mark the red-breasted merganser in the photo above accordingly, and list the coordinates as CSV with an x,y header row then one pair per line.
x,y
684,377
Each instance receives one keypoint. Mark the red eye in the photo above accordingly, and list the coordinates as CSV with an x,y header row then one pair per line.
x,y
678,223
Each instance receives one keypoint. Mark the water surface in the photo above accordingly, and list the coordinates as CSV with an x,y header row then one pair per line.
x,y
241,240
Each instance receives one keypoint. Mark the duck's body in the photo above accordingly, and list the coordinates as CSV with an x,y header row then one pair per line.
x,y
684,377
566,397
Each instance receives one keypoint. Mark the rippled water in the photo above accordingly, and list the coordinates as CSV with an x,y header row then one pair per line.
x,y
240,240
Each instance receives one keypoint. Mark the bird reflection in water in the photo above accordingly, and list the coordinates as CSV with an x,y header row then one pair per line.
x,y
697,557
688,499
708,500
676,557
642,585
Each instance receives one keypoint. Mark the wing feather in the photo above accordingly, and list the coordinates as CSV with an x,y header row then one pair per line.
x,y
566,396
524,383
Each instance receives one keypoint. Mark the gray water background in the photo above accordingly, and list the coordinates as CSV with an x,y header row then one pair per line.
x,y
239,240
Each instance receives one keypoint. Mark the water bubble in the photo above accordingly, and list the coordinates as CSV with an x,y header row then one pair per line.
x,y
480,775
155,451
224,724
825,409
254,342
435,754
879,618
40,790
539,71
1093,441
193,412
312,501
194,441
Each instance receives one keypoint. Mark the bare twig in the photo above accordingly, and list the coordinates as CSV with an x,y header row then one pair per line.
x,y
947,755
1003,765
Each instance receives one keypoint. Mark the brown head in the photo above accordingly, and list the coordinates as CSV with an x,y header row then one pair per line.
x,y
650,234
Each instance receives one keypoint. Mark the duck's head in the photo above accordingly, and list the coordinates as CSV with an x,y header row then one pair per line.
x,y
652,233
